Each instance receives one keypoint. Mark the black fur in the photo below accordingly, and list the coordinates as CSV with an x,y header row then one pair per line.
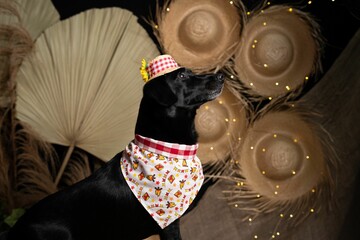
x,y
102,207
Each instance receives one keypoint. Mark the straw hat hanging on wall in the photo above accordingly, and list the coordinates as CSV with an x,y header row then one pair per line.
x,y
200,34
279,50
220,125
285,163
82,86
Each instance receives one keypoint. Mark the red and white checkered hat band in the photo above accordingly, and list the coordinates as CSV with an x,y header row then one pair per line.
x,y
166,149
161,65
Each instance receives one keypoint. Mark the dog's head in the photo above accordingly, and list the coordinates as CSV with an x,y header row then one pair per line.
x,y
182,88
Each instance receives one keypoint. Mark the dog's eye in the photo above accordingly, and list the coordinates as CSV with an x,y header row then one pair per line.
x,y
182,75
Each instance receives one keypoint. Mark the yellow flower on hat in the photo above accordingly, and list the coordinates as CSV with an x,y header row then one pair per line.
x,y
143,72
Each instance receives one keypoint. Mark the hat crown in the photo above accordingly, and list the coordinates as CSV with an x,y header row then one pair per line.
x,y
161,65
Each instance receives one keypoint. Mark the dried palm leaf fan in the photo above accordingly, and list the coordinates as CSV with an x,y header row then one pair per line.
x,y
286,164
200,35
280,50
82,86
221,125
35,15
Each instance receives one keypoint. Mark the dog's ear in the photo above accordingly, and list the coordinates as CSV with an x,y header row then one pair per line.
x,y
159,90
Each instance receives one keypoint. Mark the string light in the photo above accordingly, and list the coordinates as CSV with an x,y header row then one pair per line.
x,y
290,9
248,13
287,88
231,2
307,157
265,65
168,9
206,107
251,84
306,78
309,2
295,140
156,26
277,84
275,136
312,210
211,148
264,23
220,102
251,147
270,98
232,76
255,237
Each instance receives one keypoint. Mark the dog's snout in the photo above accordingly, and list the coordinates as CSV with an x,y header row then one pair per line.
x,y
220,77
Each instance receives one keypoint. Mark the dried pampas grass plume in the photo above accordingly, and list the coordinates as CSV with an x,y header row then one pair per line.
x,y
82,87
286,164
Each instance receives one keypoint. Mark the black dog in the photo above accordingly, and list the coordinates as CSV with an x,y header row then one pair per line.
x,y
102,206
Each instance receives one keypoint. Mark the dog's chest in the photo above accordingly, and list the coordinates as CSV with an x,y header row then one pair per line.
x,y
164,178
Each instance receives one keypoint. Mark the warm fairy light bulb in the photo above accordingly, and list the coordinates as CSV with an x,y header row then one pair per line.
x,y
312,210
258,196
287,88
251,84
307,157
253,46
168,9
226,120
306,78
211,148
228,134
263,149
277,84
156,26
270,98
291,215
275,192
263,172
248,13
255,41
293,172
281,215
277,233
255,237
232,76
239,138
313,190
295,140
277,186
236,205
231,2
309,2
206,107
234,119
275,136
250,219
265,65
264,23
268,3
290,9
273,236
251,147
220,102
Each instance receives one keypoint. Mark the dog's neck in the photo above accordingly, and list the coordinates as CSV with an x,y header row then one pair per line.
x,y
168,124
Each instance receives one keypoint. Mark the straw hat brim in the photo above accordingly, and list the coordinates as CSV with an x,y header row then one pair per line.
x,y
278,51
220,125
199,34
281,156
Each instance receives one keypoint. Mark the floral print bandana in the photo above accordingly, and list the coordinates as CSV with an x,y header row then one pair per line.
x,y
164,177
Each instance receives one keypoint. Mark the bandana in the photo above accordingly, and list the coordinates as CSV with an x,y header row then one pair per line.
x,y
164,177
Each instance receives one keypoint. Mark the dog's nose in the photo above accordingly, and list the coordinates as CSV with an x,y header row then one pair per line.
x,y
220,77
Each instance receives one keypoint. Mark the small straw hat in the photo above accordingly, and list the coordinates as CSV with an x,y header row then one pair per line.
x,y
158,66
220,125
279,49
199,34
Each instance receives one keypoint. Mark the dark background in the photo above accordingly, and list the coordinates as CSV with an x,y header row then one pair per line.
x,y
339,20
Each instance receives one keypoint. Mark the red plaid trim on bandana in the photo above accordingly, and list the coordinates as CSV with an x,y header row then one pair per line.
x,y
160,65
166,149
